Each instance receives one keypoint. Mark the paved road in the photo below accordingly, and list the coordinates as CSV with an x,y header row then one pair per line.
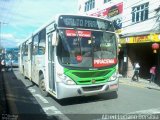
x,y
24,98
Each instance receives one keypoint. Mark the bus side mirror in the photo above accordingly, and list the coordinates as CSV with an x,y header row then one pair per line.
x,y
55,26
18,54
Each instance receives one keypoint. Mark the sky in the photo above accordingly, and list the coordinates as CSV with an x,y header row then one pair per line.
x,y
20,18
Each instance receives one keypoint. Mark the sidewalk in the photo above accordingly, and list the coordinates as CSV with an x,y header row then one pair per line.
x,y
3,107
141,83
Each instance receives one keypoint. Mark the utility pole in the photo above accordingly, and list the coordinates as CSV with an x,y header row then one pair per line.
x,y
1,23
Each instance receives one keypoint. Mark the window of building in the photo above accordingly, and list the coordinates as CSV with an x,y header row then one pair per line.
x,y
89,5
140,13
105,1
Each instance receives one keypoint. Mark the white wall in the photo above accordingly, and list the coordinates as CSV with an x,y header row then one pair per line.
x,y
99,5
128,26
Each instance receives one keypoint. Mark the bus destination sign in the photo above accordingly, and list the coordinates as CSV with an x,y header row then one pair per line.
x,y
84,22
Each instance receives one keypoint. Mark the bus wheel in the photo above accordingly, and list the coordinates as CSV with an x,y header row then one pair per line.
x,y
114,94
24,74
25,77
23,71
42,86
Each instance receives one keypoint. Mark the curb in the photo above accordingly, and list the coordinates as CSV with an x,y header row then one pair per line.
x,y
153,87
141,84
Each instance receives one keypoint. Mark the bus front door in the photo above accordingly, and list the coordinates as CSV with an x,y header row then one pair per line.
x,y
51,63
29,61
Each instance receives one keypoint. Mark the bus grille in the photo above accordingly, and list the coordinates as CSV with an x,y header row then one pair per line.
x,y
91,74
90,81
89,77
92,88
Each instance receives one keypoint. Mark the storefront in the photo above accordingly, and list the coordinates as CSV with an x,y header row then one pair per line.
x,y
138,49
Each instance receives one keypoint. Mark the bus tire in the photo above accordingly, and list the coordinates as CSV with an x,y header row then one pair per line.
x,y
25,77
42,86
114,94
24,73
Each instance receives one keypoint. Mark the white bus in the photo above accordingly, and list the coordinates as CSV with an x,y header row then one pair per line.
x,y
72,56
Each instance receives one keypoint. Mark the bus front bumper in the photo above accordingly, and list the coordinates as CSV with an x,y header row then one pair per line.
x,y
66,91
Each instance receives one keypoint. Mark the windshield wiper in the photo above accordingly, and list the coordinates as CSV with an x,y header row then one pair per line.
x,y
79,42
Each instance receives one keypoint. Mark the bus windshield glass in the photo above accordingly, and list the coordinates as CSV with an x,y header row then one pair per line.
x,y
91,49
11,53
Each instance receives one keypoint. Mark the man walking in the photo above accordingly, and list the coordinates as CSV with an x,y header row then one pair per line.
x,y
136,72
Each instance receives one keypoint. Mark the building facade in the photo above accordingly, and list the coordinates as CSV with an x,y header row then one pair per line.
x,y
138,24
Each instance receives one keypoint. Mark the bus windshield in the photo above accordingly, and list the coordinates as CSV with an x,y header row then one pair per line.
x,y
11,54
91,49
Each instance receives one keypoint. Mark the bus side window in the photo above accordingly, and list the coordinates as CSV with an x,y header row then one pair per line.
x,y
26,50
23,49
35,44
41,50
42,42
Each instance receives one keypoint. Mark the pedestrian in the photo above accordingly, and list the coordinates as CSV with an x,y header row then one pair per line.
x,y
136,71
153,73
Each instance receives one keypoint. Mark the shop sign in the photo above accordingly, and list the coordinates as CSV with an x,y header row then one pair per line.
x,y
139,39
113,13
136,39
122,41
155,37
110,11
159,37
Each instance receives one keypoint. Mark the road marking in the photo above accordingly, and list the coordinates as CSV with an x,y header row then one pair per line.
x,y
41,98
149,111
32,90
52,110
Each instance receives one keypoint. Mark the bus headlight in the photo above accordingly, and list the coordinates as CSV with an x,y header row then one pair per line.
x,y
114,77
69,82
65,79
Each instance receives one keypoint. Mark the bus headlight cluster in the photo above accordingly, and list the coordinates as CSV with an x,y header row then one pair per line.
x,y
114,77
65,79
